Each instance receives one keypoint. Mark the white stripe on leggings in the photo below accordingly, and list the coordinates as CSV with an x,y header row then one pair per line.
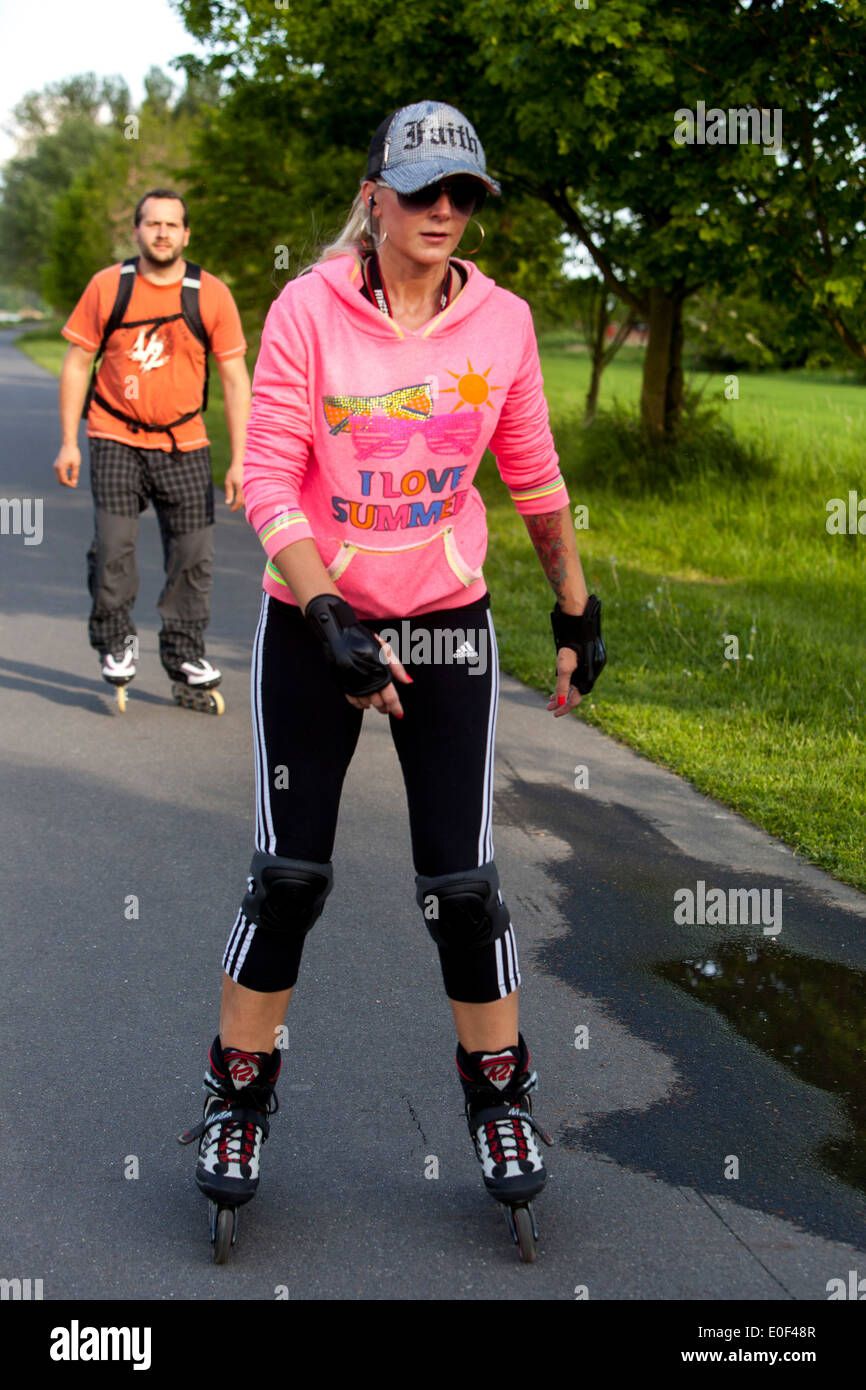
x,y
485,836
500,972
245,946
231,945
264,818
511,950
507,974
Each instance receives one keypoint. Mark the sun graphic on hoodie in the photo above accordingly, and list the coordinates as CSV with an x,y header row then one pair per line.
x,y
472,388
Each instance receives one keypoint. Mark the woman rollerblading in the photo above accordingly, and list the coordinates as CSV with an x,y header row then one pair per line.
x,y
385,372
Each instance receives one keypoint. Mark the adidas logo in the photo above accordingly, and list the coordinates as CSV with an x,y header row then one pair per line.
x,y
466,653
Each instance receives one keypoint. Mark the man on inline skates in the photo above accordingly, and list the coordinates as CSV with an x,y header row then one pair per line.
x,y
149,326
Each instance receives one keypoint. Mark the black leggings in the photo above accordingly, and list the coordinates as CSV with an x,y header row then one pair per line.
x,y
305,733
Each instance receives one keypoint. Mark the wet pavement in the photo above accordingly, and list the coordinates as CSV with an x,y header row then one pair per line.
x,y
768,1040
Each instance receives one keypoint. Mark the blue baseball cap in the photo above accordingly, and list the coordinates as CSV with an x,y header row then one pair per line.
x,y
420,144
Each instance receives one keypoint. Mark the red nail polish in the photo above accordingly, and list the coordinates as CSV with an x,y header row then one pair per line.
x,y
560,699
410,680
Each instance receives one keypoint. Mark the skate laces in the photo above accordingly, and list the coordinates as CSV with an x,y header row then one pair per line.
x,y
239,1121
508,1126
507,1135
506,1139
236,1143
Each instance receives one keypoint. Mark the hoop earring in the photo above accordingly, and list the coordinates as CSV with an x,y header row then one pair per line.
x,y
371,231
481,242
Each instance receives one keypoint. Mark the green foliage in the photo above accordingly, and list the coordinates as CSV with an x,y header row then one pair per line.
x,y
79,243
747,328
657,216
270,194
262,205
13,300
616,451
68,204
60,134
32,185
772,734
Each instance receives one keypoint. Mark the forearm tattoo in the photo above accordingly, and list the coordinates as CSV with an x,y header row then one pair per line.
x,y
546,532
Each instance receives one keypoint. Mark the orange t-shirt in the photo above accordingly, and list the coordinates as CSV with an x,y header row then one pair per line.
x,y
159,377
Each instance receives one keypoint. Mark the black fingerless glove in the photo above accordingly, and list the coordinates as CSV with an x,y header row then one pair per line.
x,y
351,650
583,635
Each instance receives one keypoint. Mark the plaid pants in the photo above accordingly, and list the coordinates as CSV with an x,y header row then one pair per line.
x,y
123,480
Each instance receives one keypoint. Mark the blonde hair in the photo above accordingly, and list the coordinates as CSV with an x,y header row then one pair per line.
x,y
353,240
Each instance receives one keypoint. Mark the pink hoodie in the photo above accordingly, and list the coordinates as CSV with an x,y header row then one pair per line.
x,y
366,437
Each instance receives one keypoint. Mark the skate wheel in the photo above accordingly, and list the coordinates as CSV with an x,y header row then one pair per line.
x,y
524,1232
121,699
223,1233
205,701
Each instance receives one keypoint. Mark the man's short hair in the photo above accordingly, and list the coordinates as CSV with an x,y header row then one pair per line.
x,y
161,193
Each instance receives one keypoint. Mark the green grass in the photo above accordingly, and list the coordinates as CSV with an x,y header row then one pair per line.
x,y
777,735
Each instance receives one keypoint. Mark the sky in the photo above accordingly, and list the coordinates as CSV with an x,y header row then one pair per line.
x,y
44,40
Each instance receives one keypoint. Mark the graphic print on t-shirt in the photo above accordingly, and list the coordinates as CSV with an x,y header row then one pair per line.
x,y
406,403
382,428
472,387
149,350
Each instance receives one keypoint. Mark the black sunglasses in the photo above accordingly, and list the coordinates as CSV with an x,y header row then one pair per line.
x,y
466,194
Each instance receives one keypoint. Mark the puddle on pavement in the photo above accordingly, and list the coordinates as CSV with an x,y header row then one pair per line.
x,y
805,1013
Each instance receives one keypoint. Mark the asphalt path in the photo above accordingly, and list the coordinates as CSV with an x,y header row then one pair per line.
x,y
127,840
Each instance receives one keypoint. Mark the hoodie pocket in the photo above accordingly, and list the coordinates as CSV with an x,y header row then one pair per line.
x,y
466,573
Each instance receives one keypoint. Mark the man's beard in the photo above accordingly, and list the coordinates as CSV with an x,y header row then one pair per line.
x,y
163,256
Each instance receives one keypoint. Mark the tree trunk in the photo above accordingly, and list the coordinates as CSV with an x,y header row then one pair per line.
x,y
592,394
674,398
597,354
661,399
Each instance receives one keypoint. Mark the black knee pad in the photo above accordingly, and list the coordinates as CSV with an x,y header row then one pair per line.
x,y
463,910
286,895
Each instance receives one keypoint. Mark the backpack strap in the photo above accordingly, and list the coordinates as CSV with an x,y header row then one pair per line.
x,y
190,289
128,272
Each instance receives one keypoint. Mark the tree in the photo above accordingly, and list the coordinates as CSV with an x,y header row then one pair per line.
x,y
577,109
748,329
59,134
87,224
267,193
811,201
